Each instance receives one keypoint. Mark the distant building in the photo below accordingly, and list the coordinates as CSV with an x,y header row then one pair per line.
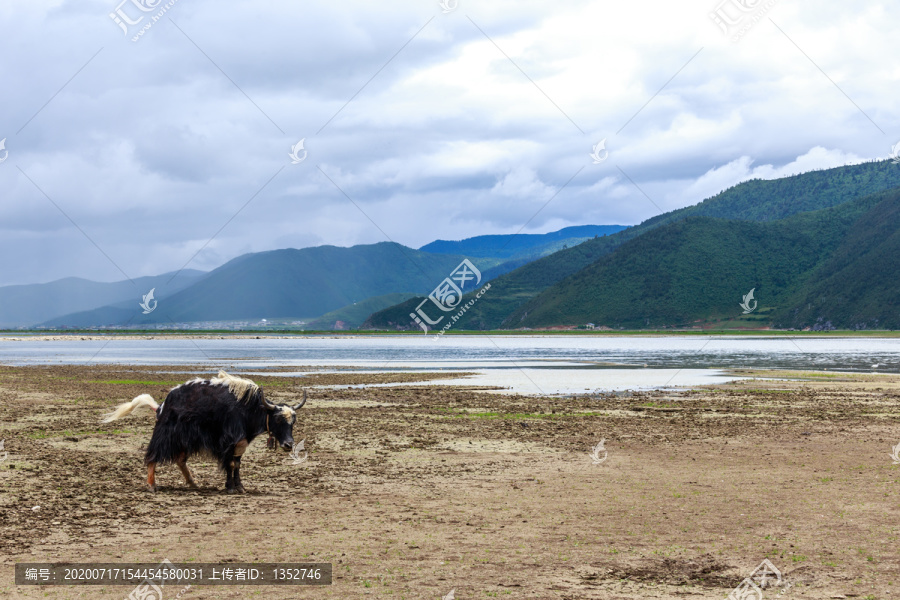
x,y
590,326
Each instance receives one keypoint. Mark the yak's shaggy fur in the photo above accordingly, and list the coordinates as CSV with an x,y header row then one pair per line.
x,y
243,389
129,407
217,417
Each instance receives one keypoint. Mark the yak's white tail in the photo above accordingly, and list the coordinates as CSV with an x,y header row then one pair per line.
x,y
127,408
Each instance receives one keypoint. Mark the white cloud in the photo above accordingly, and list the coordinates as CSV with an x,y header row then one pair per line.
x,y
151,149
742,169
522,183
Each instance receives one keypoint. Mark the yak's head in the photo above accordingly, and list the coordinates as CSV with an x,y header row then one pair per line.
x,y
280,419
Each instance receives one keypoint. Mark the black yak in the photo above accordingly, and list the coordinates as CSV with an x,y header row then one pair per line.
x,y
217,417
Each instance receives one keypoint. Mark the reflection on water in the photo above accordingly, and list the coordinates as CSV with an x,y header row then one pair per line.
x,y
564,381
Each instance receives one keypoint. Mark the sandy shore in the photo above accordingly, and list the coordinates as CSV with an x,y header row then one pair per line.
x,y
413,491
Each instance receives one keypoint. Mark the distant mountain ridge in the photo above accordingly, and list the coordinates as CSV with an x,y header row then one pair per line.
x,y
337,284
506,246
819,249
301,283
31,304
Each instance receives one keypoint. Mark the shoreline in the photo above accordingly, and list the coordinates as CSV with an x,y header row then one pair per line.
x,y
200,335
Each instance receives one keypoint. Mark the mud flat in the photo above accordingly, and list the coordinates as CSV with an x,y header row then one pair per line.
x,y
413,491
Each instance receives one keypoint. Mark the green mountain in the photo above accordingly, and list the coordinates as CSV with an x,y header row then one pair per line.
x,y
698,269
27,305
755,200
857,286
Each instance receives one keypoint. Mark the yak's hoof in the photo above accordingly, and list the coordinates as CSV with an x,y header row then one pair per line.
x,y
150,488
193,486
240,489
230,490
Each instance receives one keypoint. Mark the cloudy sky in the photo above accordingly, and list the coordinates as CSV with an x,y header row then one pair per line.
x,y
135,154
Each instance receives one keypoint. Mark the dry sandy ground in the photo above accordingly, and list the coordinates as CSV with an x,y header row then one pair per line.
x,y
412,492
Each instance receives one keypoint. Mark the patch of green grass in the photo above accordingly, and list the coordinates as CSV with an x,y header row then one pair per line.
x,y
822,375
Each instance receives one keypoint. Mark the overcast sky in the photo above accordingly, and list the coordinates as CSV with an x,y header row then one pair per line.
x,y
127,157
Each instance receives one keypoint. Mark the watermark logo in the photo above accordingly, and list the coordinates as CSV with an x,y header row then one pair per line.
x,y
895,455
124,20
451,595
766,575
895,153
150,588
183,591
296,159
4,455
153,592
295,453
748,298
3,150
599,152
747,590
448,5
596,450
736,17
148,298
447,296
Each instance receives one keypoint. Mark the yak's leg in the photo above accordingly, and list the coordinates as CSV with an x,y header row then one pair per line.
x,y
185,472
151,477
229,476
237,475
228,463
239,449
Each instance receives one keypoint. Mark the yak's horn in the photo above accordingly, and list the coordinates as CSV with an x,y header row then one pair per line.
x,y
302,403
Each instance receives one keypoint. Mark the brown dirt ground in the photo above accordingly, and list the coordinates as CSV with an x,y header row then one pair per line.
x,y
414,491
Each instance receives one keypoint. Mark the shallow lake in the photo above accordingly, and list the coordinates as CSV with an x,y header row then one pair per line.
x,y
527,364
